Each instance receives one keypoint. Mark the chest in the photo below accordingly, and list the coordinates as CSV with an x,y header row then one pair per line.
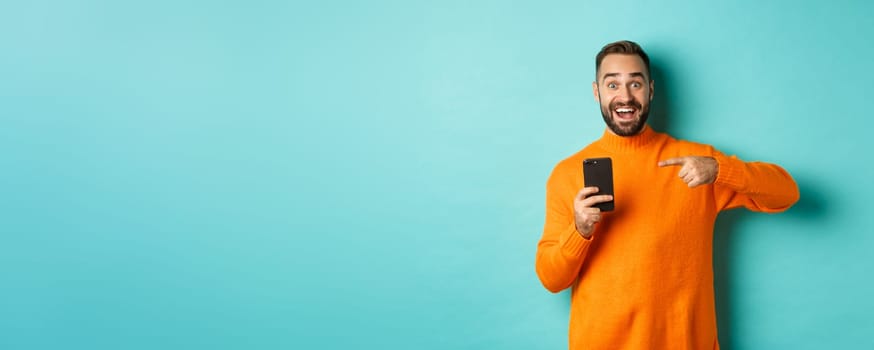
x,y
644,190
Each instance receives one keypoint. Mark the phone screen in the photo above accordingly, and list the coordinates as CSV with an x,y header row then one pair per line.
x,y
599,172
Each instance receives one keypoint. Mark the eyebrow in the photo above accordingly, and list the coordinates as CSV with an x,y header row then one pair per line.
x,y
634,74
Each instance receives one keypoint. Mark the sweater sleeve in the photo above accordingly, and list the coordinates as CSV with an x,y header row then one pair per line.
x,y
758,186
561,250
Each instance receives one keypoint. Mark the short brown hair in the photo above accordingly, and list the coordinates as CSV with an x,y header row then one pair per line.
x,y
624,47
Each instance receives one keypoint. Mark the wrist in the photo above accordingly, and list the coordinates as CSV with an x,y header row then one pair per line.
x,y
583,233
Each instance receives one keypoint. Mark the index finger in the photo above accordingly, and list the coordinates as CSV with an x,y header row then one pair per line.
x,y
591,201
586,191
673,161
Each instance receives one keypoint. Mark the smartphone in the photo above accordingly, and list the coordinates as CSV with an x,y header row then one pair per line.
x,y
599,172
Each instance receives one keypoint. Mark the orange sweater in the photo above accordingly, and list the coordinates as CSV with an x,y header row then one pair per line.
x,y
645,278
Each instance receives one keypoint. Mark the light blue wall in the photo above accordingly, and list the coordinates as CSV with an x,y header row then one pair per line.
x,y
266,175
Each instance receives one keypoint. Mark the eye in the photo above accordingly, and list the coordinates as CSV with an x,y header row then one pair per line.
x,y
611,85
635,85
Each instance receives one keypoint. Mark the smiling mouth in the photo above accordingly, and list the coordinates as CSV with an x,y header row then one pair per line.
x,y
624,113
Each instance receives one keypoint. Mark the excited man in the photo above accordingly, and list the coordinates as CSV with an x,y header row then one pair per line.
x,y
642,274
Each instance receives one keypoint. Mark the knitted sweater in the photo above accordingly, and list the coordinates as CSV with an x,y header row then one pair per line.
x,y
644,280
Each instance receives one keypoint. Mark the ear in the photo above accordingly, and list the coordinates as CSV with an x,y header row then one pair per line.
x,y
651,89
595,91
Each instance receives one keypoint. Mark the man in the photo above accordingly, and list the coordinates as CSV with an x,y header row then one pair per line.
x,y
642,275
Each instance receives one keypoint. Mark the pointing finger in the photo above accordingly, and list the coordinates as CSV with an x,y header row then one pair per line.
x,y
673,161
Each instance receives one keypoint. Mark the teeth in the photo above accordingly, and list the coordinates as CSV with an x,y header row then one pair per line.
x,y
624,110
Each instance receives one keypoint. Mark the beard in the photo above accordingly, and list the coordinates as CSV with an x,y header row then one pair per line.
x,y
625,129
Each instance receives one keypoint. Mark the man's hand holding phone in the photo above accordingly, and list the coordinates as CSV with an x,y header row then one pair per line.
x,y
585,212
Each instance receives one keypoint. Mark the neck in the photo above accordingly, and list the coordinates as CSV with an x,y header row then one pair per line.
x,y
614,142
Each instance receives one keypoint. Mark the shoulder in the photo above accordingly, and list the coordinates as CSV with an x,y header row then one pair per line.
x,y
570,169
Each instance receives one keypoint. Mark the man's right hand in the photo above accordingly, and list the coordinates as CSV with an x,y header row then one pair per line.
x,y
585,216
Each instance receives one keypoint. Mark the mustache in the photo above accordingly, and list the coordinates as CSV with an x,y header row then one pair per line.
x,y
632,103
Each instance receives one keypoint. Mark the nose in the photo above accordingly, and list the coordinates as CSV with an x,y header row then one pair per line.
x,y
625,93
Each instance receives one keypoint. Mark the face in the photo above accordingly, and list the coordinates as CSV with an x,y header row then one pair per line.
x,y
624,91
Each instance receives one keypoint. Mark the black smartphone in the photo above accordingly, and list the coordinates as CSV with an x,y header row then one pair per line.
x,y
599,172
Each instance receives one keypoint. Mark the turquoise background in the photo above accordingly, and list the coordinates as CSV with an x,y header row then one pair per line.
x,y
350,174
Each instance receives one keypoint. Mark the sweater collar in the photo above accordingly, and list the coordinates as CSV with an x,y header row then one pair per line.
x,y
613,142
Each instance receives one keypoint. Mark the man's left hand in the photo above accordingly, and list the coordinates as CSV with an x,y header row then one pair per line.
x,y
694,170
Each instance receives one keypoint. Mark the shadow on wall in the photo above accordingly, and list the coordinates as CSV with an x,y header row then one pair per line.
x,y
661,103
811,206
